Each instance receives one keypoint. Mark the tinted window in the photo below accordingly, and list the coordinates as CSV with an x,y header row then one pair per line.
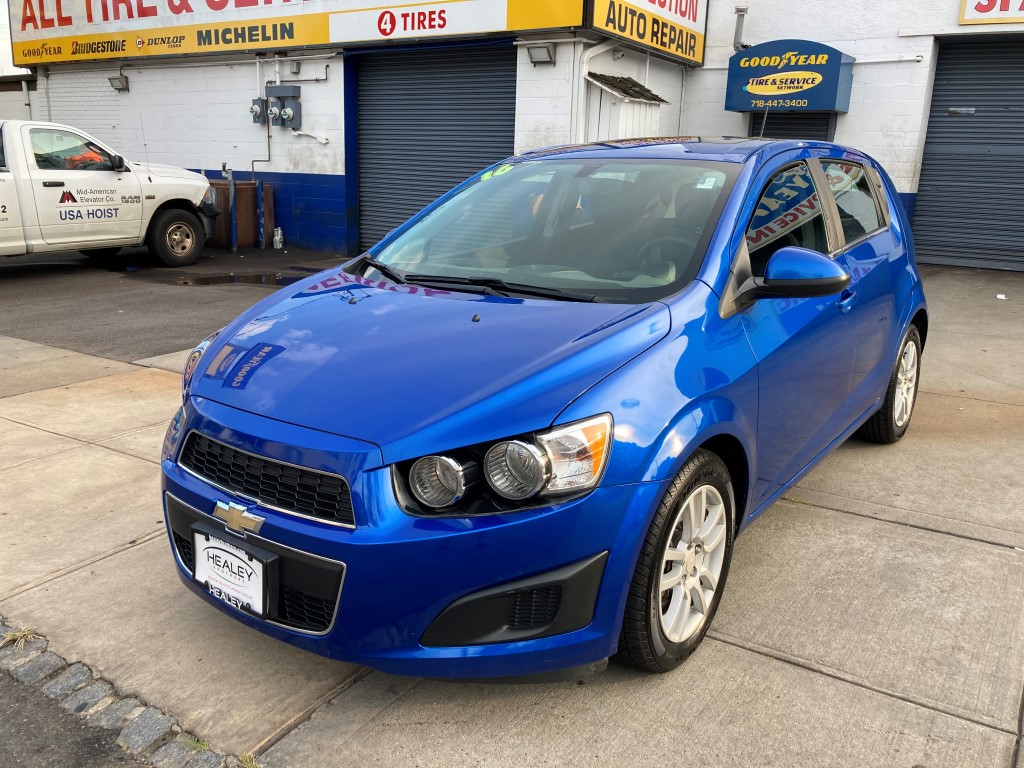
x,y
625,230
857,211
65,151
788,213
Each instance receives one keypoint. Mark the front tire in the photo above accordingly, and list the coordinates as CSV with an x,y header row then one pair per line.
x,y
682,568
176,237
891,421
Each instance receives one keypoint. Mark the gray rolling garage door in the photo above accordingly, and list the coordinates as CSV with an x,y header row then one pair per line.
x,y
968,210
820,126
427,121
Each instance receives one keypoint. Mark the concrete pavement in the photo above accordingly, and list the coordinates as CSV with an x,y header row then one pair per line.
x,y
875,617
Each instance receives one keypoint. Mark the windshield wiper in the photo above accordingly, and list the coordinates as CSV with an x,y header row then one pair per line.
x,y
502,287
389,272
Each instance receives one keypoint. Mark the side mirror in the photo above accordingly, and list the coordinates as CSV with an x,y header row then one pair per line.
x,y
797,273
119,163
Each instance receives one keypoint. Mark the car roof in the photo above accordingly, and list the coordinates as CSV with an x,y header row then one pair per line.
x,y
730,149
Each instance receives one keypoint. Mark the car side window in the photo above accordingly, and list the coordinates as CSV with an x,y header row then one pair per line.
x,y
55,149
788,213
858,213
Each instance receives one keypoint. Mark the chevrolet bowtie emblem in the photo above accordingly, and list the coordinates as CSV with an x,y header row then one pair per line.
x,y
237,518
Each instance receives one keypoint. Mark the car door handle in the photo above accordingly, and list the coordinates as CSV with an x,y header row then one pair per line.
x,y
847,299
53,183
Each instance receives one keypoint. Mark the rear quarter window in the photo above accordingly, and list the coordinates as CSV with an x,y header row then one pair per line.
x,y
858,209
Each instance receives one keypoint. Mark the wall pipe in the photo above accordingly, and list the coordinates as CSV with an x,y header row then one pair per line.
x,y
582,102
737,35
28,101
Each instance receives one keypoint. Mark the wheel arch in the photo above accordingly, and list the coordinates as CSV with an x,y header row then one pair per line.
x,y
716,425
920,320
177,203
730,450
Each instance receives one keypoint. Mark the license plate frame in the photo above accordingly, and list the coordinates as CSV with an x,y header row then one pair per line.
x,y
233,571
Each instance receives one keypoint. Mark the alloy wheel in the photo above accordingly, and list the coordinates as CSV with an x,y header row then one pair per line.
x,y
692,563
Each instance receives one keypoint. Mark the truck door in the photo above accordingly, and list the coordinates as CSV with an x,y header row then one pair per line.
x,y
12,235
80,199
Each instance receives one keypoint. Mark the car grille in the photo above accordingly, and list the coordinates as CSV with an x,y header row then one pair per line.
x,y
305,611
273,483
185,552
535,607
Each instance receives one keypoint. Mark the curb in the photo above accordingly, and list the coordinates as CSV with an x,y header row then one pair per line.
x,y
143,731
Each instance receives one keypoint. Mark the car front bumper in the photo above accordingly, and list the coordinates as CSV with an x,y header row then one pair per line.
x,y
408,595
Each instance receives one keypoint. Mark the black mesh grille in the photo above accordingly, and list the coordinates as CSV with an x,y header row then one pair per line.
x,y
535,607
270,482
184,547
304,611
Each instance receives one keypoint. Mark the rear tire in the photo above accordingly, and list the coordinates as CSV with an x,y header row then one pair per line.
x,y
100,254
176,237
890,423
682,568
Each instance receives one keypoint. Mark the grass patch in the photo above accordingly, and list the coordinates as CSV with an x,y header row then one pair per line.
x,y
19,637
196,745
248,761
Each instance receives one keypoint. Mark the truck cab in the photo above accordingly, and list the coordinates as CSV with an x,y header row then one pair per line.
x,y
61,189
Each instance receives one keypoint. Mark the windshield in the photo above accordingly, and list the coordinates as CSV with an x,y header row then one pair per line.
x,y
620,230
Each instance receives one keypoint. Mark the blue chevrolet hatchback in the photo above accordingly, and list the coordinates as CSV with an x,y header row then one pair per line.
x,y
520,434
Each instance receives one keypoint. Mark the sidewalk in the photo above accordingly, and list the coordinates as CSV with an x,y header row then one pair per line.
x,y
875,617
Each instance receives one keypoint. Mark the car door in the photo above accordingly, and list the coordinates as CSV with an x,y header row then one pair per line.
x,y
80,199
12,233
868,252
804,347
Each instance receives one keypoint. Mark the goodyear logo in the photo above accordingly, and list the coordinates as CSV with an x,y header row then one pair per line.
x,y
786,82
788,59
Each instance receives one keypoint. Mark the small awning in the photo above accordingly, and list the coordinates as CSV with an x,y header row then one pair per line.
x,y
625,88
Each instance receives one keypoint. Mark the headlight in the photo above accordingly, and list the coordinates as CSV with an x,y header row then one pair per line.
x,y
578,453
437,481
516,470
210,196
193,362
563,461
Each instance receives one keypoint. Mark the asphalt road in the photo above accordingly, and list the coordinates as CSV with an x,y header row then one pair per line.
x,y
131,307
36,733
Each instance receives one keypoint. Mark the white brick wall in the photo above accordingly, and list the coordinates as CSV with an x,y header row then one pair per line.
x,y
198,117
544,95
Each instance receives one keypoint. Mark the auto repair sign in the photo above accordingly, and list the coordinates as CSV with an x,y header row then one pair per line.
x,y
789,76
674,28
55,31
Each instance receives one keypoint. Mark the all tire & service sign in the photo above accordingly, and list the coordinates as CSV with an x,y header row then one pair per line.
x,y
52,31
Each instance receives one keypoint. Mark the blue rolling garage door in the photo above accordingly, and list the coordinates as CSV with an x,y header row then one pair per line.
x,y
426,121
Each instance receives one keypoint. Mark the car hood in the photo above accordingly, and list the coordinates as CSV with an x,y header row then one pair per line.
x,y
169,172
416,370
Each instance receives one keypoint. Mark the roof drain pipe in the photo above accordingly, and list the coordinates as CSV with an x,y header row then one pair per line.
x,y
28,101
582,101
737,35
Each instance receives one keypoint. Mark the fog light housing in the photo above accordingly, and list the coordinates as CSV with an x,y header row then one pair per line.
x,y
437,481
516,470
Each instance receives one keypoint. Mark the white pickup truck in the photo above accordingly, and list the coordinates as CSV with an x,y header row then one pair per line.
x,y
61,189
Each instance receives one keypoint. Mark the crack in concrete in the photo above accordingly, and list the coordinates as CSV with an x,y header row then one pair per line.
x,y
837,675
916,526
136,542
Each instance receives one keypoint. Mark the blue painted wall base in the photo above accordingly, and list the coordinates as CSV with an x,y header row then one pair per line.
x,y
909,200
310,208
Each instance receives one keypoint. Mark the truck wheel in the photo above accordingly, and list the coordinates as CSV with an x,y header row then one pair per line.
x,y
100,254
176,237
